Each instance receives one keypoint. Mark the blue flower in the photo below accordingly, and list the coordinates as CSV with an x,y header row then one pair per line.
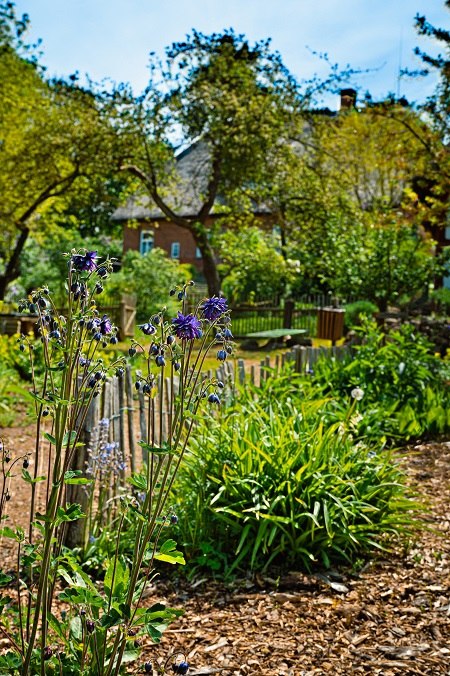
x,y
214,307
187,327
86,262
148,329
105,325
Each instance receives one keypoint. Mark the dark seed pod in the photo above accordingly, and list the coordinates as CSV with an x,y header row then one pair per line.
x,y
47,652
26,463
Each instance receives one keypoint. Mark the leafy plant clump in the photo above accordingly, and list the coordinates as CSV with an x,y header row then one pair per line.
x,y
405,386
103,611
273,484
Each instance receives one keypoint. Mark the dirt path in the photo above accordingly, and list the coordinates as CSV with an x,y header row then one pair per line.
x,y
391,618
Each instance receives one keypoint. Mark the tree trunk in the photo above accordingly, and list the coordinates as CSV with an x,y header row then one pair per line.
x,y
209,263
12,270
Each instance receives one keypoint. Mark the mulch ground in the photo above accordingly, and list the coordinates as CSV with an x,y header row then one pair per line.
x,y
391,617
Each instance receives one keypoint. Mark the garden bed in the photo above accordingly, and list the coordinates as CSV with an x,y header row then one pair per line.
x,y
391,617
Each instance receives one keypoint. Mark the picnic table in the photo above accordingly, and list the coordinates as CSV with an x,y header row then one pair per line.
x,y
275,336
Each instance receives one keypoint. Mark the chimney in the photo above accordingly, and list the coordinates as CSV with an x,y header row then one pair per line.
x,y
348,99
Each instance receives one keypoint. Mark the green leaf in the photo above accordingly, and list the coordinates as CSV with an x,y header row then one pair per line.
x,y
168,553
156,450
71,512
17,535
76,628
74,477
26,476
69,437
50,438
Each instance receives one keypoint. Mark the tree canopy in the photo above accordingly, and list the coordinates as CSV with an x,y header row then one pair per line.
x,y
237,100
56,143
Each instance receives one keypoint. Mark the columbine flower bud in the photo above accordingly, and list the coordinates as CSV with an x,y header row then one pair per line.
x,y
213,398
220,384
221,355
174,519
132,351
180,295
181,668
90,626
148,668
154,349
47,652
102,272
176,365
26,463
160,361
170,339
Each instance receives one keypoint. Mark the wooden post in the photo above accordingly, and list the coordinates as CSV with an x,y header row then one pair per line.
x,y
130,417
288,312
76,534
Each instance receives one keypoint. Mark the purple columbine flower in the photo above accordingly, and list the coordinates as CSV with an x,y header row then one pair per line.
x,y
214,307
86,262
105,325
187,327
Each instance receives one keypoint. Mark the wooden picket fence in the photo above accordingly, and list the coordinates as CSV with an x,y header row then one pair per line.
x,y
127,409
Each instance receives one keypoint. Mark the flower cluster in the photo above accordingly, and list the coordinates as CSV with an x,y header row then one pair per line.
x,y
214,308
104,458
85,262
187,327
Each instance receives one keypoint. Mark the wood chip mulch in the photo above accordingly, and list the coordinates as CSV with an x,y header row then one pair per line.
x,y
391,618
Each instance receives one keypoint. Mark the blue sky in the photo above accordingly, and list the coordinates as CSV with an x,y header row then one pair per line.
x,y
112,38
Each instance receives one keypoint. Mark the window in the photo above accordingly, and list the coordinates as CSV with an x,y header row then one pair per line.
x,y
175,250
147,240
198,253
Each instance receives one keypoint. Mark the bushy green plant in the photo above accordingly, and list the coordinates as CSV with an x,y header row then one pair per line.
x,y
148,277
441,298
271,483
355,311
405,386
96,634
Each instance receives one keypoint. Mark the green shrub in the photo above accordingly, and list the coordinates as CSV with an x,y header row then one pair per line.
x,y
355,311
270,483
405,386
441,298
148,277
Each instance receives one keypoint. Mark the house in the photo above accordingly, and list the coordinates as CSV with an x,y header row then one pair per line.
x,y
146,227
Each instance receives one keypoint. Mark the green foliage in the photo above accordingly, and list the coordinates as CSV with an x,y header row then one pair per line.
x,y
272,482
148,277
441,299
355,311
405,386
252,266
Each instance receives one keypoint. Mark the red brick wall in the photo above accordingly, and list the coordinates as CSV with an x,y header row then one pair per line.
x,y
165,233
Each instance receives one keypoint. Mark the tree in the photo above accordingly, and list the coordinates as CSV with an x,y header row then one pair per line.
x,y
237,101
347,207
56,140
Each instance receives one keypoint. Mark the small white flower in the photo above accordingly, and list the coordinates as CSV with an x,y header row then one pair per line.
x,y
357,393
401,367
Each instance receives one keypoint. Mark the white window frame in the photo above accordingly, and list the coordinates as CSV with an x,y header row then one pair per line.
x,y
146,241
175,250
